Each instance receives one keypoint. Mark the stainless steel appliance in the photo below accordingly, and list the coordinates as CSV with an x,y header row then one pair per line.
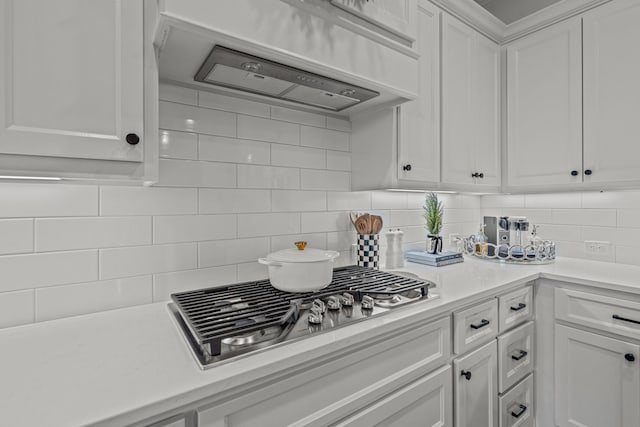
x,y
497,231
224,322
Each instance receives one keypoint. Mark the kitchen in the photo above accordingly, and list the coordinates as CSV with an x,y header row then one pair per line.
x,y
125,184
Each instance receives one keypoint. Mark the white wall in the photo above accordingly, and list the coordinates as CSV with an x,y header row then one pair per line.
x,y
572,218
238,180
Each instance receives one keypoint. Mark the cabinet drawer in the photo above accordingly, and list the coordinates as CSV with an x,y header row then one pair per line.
x,y
475,326
516,406
515,356
515,308
609,314
327,391
425,402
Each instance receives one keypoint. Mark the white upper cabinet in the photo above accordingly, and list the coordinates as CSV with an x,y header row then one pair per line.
x,y
544,106
72,79
470,106
419,120
612,92
396,16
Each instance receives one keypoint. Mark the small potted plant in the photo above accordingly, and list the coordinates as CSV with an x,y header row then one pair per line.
x,y
433,212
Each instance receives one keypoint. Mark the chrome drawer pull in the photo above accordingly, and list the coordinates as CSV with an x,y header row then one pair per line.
x,y
624,319
520,355
518,307
518,414
482,324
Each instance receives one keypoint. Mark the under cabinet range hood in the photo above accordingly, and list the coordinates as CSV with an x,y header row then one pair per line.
x,y
240,71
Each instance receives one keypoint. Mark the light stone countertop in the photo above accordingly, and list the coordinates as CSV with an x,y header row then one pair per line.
x,y
123,366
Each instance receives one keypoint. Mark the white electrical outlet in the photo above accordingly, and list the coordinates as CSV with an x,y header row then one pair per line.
x,y
597,247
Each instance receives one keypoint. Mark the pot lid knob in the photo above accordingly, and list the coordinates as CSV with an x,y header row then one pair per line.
x,y
301,245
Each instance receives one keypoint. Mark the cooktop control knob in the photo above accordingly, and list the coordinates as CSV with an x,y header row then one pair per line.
x,y
319,305
333,303
315,316
347,299
367,302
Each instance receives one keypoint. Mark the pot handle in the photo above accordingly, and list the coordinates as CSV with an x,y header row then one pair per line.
x,y
270,263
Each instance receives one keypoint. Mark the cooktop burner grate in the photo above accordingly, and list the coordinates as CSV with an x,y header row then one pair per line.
x,y
216,314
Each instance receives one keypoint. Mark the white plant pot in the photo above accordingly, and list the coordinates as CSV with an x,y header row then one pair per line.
x,y
294,270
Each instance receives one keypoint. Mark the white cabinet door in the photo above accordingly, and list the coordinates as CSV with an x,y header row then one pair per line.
x,y
419,120
470,106
425,402
544,106
597,380
476,388
71,78
395,16
612,92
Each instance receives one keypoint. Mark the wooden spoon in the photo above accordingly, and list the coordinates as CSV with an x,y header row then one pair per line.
x,y
362,224
376,224
354,216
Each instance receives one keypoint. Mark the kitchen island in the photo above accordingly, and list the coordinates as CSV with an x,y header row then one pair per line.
x,y
132,366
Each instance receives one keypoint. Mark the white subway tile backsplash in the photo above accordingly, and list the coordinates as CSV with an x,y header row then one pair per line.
x,y
178,145
317,222
324,138
226,252
165,284
598,217
628,218
389,200
341,241
147,201
339,160
178,94
405,218
250,176
348,201
233,150
252,271
216,201
303,157
16,236
193,228
268,130
339,124
627,255
554,201
188,118
314,240
35,200
298,201
231,104
82,298
296,116
311,179
47,269
569,233
189,173
142,260
503,201
268,224
16,308
55,234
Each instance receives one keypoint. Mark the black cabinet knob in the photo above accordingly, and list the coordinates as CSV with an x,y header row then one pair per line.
x,y
477,175
588,172
406,168
574,173
132,138
466,374
630,357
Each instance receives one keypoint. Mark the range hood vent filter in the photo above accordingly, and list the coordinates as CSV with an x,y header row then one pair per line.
x,y
236,70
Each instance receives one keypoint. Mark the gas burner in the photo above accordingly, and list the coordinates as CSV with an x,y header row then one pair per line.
x,y
225,322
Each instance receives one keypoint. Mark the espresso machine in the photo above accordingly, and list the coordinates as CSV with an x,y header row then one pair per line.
x,y
506,232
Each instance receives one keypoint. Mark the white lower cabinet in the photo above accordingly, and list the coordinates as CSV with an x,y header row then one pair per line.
x,y
476,387
516,406
597,380
515,356
425,402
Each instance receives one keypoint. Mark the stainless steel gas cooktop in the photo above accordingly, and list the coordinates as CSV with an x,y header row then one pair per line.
x,y
224,322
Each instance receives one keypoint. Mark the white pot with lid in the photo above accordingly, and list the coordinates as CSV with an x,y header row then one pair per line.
x,y
300,270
